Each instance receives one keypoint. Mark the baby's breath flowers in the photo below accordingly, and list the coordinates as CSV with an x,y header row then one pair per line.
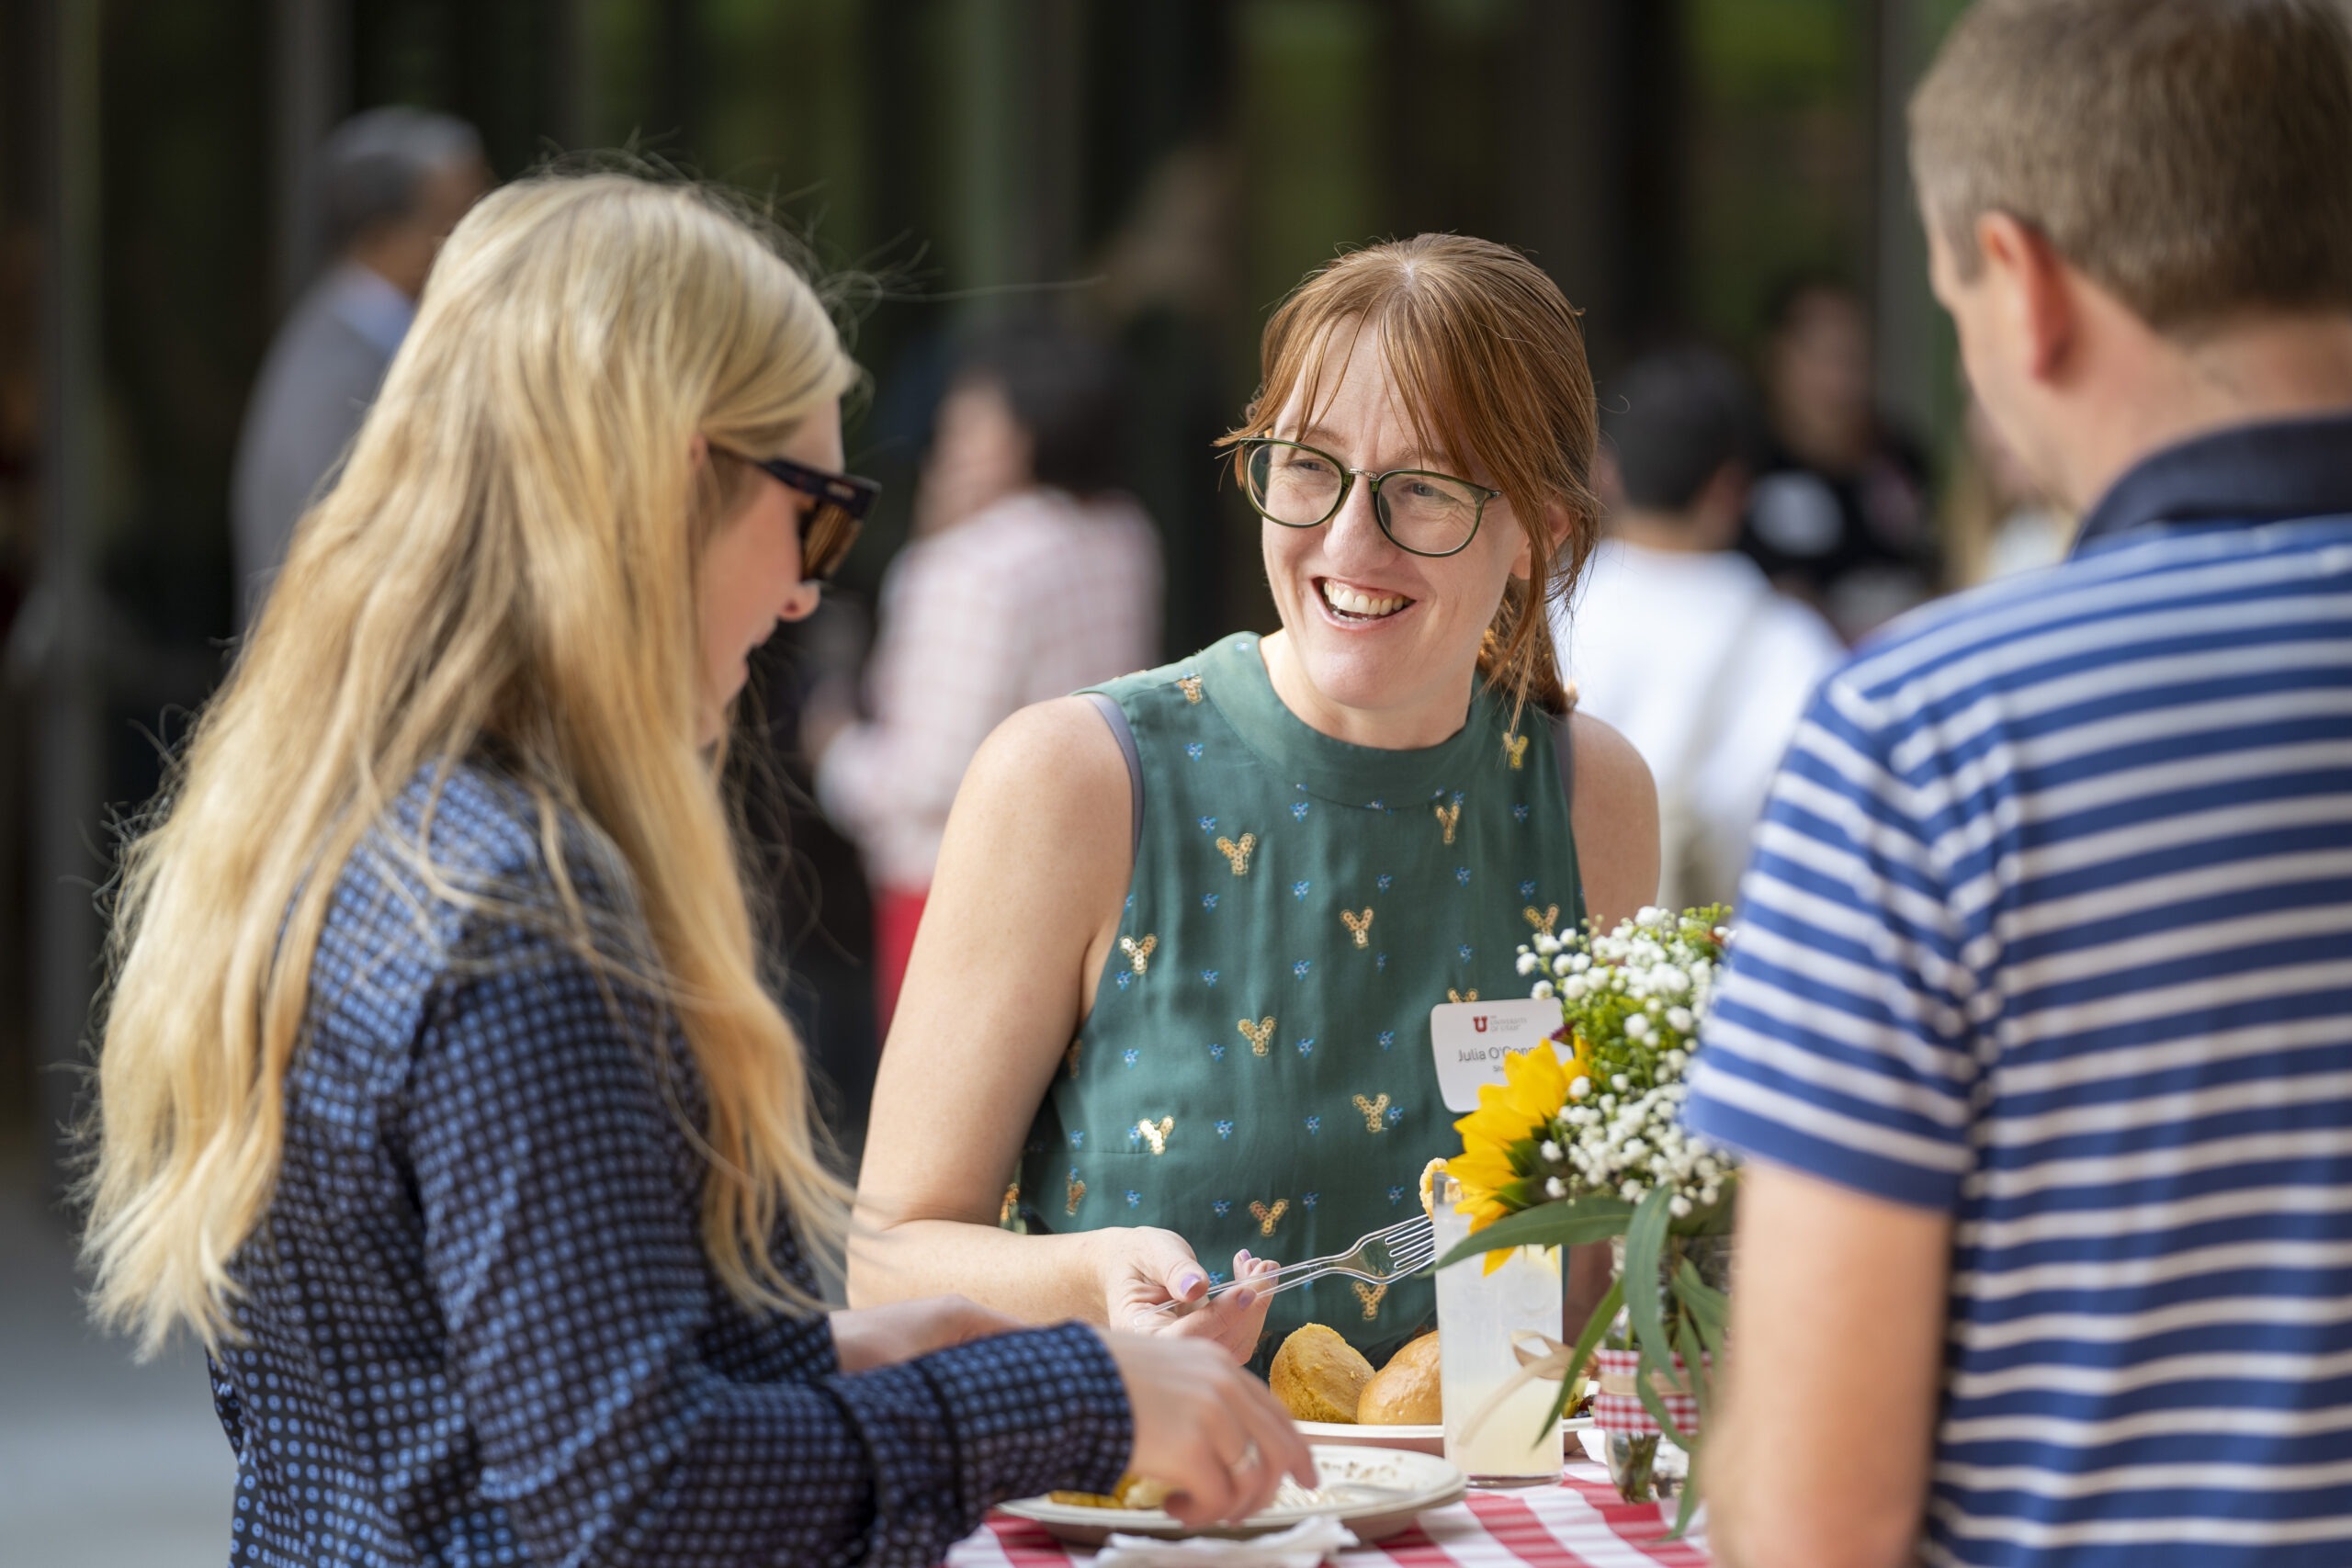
x,y
1630,1004
1591,1148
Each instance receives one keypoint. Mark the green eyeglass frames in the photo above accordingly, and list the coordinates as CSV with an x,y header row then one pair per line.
x,y
1422,513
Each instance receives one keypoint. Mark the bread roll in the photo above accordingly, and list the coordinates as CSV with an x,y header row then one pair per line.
x,y
1404,1391
1318,1376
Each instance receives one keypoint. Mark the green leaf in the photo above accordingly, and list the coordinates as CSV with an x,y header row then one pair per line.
x,y
1709,1308
1644,1240
1652,1401
1569,1222
1690,1504
1692,1343
1694,1368
1716,1221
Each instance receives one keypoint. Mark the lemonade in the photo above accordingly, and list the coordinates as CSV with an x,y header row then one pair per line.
x,y
1478,1314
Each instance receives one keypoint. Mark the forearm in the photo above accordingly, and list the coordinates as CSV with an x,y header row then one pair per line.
x,y
889,1467
1754,1522
1858,1364
1038,1278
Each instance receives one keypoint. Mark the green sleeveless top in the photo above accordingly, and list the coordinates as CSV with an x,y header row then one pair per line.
x,y
1256,1071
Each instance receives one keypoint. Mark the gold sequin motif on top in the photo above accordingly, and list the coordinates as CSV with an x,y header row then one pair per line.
x,y
1449,817
1006,1210
1374,1110
1515,747
1269,1218
1191,686
1070,1057
1359,926
1076,1196
1453,996
1370,1296
1259,1035
1238,853
1139,952
1542,919
1156,1132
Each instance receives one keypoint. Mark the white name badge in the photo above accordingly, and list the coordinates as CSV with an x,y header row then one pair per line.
x,y
1469,1040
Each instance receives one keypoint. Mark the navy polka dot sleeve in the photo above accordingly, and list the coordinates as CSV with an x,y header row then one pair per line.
x,y
479,1327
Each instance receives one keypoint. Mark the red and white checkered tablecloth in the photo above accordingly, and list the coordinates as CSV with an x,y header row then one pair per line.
x,y
1578,1524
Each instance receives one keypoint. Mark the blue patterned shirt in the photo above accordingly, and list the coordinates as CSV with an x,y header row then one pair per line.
x,y
478,1323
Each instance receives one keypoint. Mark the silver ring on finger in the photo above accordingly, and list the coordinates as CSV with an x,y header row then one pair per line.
x,y
1250,1459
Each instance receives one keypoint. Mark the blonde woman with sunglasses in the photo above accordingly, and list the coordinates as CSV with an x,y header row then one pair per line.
x,y
439,1093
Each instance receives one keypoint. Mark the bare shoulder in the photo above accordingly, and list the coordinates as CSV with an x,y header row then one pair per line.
x,y
1043,814
1609,770
1059,752
1614,817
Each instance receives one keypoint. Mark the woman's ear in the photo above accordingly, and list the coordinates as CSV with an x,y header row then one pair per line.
x,y
697,451
1557,522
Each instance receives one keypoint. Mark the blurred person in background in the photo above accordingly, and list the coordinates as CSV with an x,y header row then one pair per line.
x,y
1996,520
1838,515
440,1094
391,184
1675,638
1032,574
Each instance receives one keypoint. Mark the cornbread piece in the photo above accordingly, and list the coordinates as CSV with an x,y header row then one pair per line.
x,y
1134,1492
1404,1391
1143,1492
1318,1376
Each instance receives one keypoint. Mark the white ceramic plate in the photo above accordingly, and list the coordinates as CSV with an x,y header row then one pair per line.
x,y
1373,1492
1419,1439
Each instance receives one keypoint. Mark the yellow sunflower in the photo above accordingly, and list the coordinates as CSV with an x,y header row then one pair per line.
x,y
1579,1065
1533,1089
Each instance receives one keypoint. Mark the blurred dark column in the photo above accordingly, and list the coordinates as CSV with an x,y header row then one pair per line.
x,y
1017,140
57,640
1597,146
1913,369
569,89
312,86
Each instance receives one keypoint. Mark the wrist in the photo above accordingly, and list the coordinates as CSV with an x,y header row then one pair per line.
x,y
1103,1265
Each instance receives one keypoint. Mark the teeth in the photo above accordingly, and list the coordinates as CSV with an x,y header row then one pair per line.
x,y
1356,604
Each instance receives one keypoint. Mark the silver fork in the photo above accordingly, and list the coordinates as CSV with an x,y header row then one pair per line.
x,y
1377,1257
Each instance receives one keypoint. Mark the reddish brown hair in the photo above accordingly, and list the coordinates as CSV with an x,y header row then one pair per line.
x,y
1490,360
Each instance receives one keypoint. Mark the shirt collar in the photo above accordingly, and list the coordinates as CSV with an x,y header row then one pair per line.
x,y
370,306
2248,473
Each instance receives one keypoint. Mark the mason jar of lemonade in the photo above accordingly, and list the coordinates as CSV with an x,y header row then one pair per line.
x,y
1510,1442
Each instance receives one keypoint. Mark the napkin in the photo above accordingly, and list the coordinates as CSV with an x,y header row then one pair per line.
x,y
1303,1545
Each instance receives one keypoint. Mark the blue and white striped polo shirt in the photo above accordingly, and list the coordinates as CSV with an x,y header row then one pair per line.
x,y
2050,926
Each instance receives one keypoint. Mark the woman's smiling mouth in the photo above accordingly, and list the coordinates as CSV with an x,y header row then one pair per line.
x,y
1354,606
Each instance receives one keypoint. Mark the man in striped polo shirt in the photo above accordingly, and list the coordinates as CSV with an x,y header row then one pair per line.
x,y
2036,1031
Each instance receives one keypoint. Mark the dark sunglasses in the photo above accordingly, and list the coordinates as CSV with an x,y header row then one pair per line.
x,y
843,502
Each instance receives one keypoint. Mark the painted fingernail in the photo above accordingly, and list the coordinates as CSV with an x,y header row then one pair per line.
x,y
1190,1280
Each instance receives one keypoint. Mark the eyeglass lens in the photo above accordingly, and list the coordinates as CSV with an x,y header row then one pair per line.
x,y
1299,487
825,540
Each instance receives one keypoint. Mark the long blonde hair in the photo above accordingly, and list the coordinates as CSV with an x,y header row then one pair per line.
x,y
508,559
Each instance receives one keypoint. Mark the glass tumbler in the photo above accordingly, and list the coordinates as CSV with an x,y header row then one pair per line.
x,y
1478,1315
